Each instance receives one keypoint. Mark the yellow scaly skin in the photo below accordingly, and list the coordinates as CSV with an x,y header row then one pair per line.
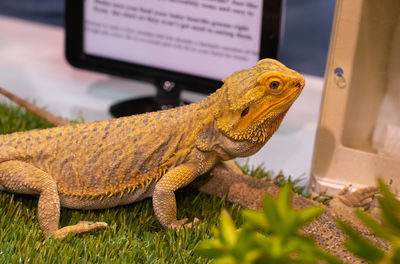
x,y
104,164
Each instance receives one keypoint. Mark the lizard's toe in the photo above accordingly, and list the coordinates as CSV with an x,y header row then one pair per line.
x,y
94,225
81,227
192,224
178,224
195,222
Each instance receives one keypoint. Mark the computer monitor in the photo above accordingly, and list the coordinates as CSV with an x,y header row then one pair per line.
x,y
175,44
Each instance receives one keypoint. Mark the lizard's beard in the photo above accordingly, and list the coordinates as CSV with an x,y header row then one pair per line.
x,y
263,132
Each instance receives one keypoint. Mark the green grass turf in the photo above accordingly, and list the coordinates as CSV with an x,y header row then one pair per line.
x,y
135,235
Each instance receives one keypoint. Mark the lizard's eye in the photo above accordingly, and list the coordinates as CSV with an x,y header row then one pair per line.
x,y
244,112
274,85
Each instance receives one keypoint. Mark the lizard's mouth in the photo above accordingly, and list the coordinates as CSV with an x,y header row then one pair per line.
x,y
270,119
266,121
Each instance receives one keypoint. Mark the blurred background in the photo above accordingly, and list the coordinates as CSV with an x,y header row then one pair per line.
x,y
306,34
32,65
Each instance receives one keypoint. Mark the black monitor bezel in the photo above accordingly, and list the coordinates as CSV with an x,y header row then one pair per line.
x,y
270,39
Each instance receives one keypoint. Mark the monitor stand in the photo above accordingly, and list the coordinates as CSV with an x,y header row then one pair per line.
x,y
168,96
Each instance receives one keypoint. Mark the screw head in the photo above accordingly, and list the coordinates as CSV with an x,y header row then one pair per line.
x,y
338,72
168,86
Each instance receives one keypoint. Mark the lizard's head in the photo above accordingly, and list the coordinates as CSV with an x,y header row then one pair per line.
x,y
258,99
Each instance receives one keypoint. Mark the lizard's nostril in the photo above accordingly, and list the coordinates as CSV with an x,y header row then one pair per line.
x,y
298,85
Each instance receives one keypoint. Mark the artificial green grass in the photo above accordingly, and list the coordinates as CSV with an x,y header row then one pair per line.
x,y
135,236
13,119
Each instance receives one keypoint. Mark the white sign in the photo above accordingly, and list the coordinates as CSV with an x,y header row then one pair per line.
x,y
207,38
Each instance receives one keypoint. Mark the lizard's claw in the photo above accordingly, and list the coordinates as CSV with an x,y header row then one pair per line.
x,y
360,198
178,224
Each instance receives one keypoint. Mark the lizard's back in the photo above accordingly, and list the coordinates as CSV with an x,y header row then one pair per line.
x,y
108,157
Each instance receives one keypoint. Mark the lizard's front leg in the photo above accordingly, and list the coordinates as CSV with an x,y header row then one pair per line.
x,y
164,202
21,177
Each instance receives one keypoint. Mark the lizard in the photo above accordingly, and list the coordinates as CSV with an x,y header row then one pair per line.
x,y
227,181
120,161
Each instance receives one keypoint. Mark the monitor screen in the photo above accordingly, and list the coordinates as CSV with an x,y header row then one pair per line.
x,y
196,42
189,36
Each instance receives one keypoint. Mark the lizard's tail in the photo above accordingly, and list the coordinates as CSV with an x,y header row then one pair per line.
x,y
56,121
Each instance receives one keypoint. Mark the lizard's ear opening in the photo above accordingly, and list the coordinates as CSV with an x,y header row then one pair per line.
x,y
245,112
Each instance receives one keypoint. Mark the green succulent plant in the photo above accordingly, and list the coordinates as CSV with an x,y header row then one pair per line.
x,y
270,236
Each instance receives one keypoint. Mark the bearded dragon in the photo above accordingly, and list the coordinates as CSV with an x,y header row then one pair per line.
x,y
120,161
